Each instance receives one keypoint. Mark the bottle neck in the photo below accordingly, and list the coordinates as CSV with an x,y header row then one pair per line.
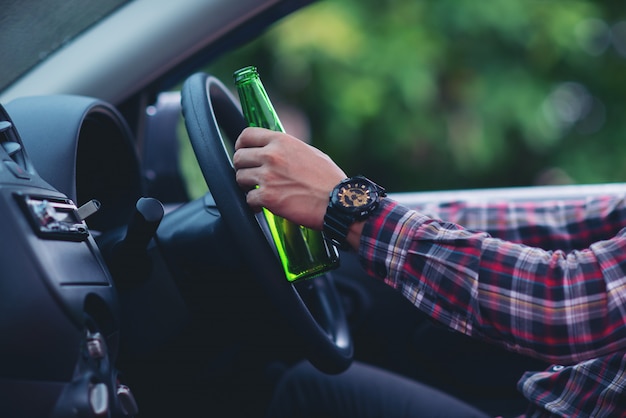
x,y
255,103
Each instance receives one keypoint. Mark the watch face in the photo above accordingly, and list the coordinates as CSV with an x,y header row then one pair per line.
x,y
355,195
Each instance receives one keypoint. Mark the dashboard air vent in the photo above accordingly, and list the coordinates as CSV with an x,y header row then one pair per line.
x,y
11,150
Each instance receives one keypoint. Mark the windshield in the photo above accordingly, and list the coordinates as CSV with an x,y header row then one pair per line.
x,y
32,30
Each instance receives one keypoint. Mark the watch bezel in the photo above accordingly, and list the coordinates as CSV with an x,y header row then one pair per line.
x,y
375,192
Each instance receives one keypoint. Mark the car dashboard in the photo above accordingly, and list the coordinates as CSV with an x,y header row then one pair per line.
x,y
61,338
97,299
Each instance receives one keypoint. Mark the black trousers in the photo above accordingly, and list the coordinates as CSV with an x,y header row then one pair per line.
x,y
362,391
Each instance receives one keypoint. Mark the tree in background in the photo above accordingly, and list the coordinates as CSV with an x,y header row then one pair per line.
x,y
448,94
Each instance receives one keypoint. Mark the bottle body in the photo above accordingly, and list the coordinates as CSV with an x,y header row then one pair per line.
x,y
303,252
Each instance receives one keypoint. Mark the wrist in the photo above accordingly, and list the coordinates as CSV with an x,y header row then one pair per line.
x,y
351,202
354,235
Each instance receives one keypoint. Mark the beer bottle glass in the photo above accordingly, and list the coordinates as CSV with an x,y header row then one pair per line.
x,y
303,252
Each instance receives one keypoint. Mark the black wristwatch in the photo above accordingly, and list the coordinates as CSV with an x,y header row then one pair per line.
x,y
354,199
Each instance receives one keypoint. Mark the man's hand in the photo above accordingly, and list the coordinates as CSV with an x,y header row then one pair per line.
x,y
294,179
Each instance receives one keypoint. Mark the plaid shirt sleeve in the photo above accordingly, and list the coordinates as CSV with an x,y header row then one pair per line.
x,y
545,279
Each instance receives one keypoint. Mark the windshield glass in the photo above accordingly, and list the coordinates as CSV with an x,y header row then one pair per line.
x,y
32,30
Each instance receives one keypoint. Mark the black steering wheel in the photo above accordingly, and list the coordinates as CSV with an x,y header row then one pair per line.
x,y
208,106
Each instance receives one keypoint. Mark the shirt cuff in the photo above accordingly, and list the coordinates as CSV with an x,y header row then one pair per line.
x,y
381,250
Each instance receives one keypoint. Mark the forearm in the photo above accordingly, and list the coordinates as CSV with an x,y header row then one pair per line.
x,y
551,305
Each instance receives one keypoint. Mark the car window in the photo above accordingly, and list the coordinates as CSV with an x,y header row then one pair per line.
x,y
447,94
435,95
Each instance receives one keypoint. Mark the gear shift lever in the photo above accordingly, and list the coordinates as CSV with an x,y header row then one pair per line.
x,y
131,263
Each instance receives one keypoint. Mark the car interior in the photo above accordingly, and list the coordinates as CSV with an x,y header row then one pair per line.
x,y
123,295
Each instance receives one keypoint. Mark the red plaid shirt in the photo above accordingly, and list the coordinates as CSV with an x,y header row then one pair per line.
x,y
545,279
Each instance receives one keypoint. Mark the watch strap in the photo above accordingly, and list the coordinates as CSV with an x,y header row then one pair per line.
x,y
336,226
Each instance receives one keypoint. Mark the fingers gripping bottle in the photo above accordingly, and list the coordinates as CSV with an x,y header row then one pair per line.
x,y
303,252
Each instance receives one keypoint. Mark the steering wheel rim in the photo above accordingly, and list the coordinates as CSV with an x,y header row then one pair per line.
x,y
327,339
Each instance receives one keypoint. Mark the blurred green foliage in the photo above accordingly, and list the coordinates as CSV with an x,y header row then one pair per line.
x,y
444,94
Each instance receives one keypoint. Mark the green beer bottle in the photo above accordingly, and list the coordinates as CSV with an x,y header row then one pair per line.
x,y
303,252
